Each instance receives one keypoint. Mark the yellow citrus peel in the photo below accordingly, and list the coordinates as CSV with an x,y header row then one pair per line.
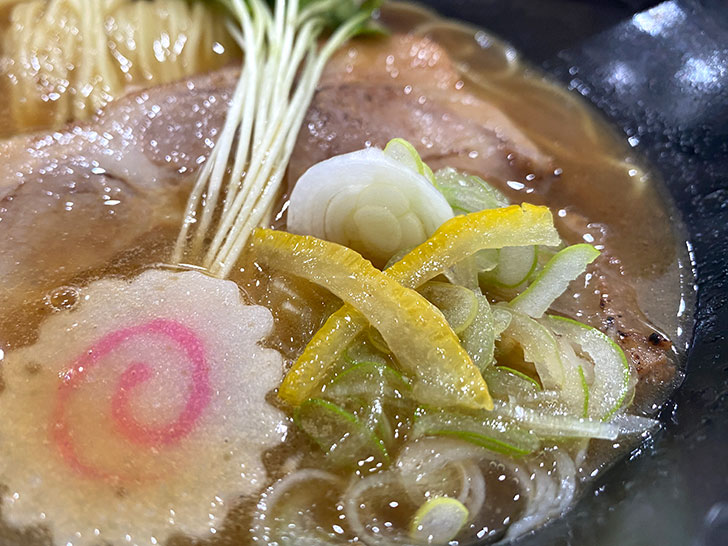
x,y
415,331
454,241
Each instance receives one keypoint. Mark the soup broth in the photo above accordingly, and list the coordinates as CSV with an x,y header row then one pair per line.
x,y
600,193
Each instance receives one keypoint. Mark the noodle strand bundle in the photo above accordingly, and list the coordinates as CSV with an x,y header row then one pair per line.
x,y
66,59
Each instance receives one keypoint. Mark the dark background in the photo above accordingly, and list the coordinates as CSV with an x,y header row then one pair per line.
x,y
659,71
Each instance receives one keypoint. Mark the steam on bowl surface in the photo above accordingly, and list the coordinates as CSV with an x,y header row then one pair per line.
x,y
659,71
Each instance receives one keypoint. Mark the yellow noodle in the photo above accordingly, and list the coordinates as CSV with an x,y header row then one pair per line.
x,y
6,4
80,54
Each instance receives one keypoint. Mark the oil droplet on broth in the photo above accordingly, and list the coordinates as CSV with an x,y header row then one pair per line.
x,y
63,298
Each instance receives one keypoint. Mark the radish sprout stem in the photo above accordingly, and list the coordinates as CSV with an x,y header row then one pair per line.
x,y
282,65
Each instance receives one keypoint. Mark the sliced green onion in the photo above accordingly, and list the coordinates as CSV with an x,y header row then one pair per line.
x,y
546,424
612,372
515,265
633,424
365,351
501,320
575,390
539,347
464,274
478,339
553,280
369,380
438,520
585,390
403,151
505,383
340,434
384,430
458,304
481,429
456,240
468,193
376,340
486,260
520,375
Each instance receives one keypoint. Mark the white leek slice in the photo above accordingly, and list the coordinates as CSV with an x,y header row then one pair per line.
x,y
279,519
368,201
438,521
553,280
612,372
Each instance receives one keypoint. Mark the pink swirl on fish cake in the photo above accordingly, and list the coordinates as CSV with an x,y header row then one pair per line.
x,y
137,373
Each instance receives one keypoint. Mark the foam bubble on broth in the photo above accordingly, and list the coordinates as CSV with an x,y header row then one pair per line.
x,y
141,413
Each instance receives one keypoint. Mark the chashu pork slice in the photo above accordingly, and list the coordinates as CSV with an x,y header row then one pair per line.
x,y
407,86
72,200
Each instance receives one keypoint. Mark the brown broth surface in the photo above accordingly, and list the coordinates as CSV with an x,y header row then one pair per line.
x,y
600,192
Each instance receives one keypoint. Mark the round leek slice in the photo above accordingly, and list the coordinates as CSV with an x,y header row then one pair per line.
x,y
368,201
458,304
553,280
438,520
279,517
612,372
340,434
